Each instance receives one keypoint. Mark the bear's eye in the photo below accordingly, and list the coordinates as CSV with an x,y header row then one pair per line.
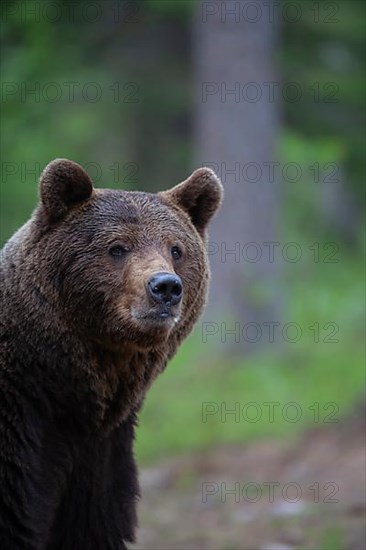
x,y
176,252
118,250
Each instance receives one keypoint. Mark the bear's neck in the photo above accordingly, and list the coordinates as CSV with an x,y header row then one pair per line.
x,y
122,378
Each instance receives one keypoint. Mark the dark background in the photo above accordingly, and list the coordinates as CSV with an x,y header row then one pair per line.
x,y
270,387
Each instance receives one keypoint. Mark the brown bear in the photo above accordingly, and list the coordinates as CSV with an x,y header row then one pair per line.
x,y
98,289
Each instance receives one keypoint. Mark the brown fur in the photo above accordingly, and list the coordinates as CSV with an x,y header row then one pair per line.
x,y
80,336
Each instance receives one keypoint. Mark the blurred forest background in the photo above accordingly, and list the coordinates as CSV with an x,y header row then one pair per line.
x,y
272,96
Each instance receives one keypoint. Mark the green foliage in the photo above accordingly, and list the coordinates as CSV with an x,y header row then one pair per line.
x,y
333,539
324,54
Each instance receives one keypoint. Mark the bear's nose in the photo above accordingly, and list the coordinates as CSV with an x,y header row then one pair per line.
x,y
165,288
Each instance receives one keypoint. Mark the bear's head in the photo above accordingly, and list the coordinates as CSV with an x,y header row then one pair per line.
x,y
125,268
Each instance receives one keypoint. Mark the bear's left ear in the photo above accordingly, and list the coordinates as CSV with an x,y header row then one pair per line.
x,y
63,184
200,196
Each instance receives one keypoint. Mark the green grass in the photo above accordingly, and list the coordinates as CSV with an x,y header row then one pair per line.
x,y
305,372
333,539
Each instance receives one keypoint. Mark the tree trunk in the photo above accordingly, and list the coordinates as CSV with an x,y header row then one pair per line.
x,y
237,126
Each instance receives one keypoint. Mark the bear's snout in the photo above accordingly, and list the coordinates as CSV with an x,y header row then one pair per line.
x,y
165,289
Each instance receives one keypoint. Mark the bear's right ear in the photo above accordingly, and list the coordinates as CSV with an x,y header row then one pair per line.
x,y
63,184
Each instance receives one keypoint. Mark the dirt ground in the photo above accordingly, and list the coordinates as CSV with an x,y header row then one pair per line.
x,y
266,495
